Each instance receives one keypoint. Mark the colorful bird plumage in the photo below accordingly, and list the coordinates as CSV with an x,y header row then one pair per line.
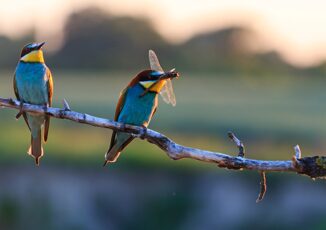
x,y
136,106
33,84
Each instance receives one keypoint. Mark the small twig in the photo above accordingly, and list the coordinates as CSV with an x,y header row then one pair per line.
x,y
66,106
263,187
297,151
296,156
238,143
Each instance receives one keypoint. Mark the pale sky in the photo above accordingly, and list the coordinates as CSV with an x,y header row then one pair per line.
x,y
295,28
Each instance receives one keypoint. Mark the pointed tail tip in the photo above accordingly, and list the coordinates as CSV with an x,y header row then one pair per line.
x,y
105,163
37,161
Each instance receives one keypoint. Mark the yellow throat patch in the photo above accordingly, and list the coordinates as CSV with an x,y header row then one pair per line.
x,y
157,88
34,56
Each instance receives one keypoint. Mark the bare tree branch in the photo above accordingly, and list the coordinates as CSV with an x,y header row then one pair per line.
x,y
315,166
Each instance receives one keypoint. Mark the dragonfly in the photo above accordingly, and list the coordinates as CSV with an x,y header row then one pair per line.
x,y
167,92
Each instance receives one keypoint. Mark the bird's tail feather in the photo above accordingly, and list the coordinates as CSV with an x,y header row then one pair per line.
x,y
113,154
36,150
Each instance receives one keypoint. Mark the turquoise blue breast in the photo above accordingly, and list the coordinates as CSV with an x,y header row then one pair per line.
x,y
31,81
137,110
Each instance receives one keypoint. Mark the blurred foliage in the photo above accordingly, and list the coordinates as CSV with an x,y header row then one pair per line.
x,y
94,39
9,211
10,50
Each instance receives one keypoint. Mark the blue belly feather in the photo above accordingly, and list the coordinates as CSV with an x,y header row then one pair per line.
x,y
31,82
137,110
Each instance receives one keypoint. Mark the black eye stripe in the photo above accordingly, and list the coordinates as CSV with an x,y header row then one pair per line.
x,y
25,51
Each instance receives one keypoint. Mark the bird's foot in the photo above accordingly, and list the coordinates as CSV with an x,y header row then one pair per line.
x,y
20,111
143,132
11,101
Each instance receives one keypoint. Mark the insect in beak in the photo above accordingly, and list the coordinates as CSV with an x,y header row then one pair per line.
x,y
165,76
170,74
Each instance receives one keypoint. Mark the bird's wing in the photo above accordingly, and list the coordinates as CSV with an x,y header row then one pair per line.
x,y
118,109
121,103
15,88
49,85
154,111
50,94
18,97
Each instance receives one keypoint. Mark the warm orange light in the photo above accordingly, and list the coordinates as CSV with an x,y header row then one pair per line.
x,y
296,28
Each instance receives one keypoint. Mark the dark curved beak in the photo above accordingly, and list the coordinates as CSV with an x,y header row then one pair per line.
x,y
39,45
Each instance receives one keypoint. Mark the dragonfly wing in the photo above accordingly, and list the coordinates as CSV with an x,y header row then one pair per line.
x,y
165,94
168,94
153,61
167,90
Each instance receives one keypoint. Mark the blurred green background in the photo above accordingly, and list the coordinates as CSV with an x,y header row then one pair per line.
x,y
270,104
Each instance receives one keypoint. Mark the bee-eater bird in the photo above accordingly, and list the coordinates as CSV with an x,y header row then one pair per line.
x,y
137,104
33,84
